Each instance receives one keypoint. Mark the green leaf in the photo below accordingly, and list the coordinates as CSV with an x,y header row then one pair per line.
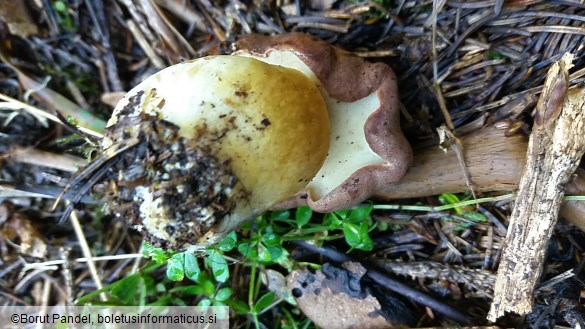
x,y
159,288
222,313
363,230
239,306
192,269
263,254
127,288
193,290
208,288
228,242
248,252
219,266
476,217
365,242
271,239
176,267
206,302
332,220
264,301
448,198
60,6
280,215
495,55
303,216
275,252
223,294
357,236
342,214
217,303
351,233
360,214
158,255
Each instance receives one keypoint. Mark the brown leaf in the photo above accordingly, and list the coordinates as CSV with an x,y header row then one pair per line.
x,y
18,19
21,231
334,298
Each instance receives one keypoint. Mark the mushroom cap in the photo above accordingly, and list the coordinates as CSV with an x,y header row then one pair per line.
x,y
267,123
368,149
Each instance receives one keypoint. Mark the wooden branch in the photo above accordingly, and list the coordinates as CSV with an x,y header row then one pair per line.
x,y
556,145
37,157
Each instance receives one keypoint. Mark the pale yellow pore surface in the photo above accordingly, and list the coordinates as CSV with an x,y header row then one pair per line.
x,y
349,150
270,122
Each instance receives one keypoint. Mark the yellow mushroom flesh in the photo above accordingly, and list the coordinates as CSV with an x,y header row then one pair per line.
x,y
349,151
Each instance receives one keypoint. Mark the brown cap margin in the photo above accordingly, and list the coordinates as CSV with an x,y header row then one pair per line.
x,y
347,78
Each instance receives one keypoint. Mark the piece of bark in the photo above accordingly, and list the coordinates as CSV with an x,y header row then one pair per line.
x,y
556,145
333,297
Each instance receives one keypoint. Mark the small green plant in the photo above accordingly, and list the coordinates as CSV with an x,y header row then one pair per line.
x,y
133,290
494,54
352,224
468,212
203,278
64,19
378,11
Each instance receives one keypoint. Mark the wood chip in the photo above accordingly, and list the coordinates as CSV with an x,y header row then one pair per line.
x,y
556,145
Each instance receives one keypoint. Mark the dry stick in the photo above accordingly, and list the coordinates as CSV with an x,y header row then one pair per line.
x,y
86,252
556,145
37,157
447,133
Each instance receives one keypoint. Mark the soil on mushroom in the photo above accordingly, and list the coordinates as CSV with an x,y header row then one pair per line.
x,y
181,175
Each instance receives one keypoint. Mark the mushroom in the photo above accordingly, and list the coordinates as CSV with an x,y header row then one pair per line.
x,y
204,145
367,148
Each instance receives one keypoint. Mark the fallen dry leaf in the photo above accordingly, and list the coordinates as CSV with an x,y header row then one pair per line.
x,y
333,297
21,231
17,18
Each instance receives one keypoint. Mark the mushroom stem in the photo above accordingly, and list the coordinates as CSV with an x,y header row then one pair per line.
x,y
495,162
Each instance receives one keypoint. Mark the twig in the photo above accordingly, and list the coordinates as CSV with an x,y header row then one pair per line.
x,y
449,140
67,273
82,260
45,295
86,252
37,157
145,45
42,114
184,12
556,145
